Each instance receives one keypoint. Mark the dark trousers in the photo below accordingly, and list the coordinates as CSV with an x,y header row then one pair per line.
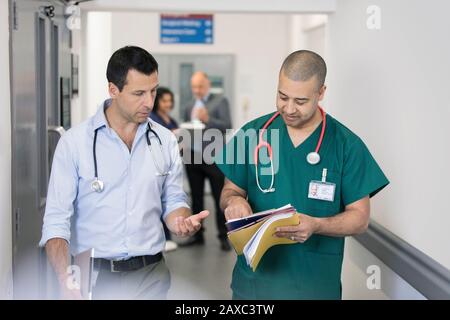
x,y
196,174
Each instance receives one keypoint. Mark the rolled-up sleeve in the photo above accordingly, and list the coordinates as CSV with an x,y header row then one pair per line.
x,y
173,196
62,192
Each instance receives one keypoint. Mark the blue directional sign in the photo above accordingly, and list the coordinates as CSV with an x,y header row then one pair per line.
x,y
193,28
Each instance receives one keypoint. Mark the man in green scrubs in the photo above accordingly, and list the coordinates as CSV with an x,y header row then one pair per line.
x,y
331,197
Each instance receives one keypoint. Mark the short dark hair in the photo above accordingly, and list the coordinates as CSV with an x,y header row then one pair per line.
x,y
160,92
302,65
129,58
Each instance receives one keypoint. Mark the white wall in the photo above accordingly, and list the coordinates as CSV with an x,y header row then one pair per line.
x,y
5,159
95,52
303,35
259,43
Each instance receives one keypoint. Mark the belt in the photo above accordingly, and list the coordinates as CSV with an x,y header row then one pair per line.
x,y
131,264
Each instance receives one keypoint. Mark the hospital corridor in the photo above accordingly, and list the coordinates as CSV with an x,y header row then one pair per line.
x,y
227,150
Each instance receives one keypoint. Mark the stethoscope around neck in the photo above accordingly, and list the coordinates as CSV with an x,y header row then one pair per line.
x,y
312,158
98,185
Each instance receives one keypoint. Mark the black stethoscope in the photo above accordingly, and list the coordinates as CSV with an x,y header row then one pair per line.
x,y
98,185
312,158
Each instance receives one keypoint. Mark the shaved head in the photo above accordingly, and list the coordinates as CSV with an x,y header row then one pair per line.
x,y
303,65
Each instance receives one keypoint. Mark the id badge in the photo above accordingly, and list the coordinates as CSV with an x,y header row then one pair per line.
x,y
321,190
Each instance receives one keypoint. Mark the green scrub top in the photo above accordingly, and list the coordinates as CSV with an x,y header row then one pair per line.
x,y
309,270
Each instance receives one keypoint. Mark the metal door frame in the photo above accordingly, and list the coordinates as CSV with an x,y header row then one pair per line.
x,y
47,105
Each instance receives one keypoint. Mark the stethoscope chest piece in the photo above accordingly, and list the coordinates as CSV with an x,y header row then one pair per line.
x,y
313,158
97,185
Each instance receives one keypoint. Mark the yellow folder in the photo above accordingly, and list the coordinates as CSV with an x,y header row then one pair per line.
x,y
240,237
268,240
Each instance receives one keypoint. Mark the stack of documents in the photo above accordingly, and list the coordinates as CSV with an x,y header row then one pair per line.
x,y
253,235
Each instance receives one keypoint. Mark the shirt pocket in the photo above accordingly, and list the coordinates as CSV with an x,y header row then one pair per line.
x,y
109,179
324,208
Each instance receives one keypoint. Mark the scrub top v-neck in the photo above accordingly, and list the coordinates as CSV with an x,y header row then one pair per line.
x,y
310,270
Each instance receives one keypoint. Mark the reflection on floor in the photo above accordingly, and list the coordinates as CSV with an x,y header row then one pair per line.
x,y
201,271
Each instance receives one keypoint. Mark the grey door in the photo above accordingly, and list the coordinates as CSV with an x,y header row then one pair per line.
x,y
175,71
37,39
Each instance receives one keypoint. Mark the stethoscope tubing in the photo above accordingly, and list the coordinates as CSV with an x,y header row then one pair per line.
x,y
263,143
97,185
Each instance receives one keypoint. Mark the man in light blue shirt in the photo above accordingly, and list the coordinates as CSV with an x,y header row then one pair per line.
x,y
112,178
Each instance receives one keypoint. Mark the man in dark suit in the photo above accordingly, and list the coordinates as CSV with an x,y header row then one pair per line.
x,y
214,112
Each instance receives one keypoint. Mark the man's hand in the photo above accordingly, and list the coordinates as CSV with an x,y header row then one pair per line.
x,y
237,208
308,225
188,226
57,250
202,114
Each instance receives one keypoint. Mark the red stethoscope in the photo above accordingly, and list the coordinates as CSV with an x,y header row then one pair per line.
x,y
313,157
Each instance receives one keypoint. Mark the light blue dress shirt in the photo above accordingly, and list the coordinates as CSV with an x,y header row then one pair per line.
x,y
123,221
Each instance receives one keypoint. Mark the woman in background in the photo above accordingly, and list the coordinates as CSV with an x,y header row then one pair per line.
x,y
163,106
